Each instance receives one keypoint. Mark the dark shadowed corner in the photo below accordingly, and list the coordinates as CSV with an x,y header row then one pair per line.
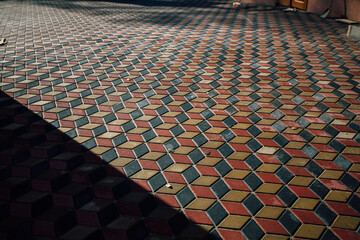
x,y
52,187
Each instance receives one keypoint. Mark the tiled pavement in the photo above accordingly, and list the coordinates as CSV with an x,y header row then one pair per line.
x,y
176,119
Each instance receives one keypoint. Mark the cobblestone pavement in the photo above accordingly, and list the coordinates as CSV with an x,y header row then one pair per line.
x,y
176,119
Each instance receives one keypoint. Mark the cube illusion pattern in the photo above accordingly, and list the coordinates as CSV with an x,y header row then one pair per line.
x,y
161,119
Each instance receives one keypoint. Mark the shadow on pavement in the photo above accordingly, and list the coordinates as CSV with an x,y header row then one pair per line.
x,y
53,187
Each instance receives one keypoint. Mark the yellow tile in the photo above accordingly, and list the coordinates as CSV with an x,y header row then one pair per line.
x,y
309,231
240,139
267,150
209,161
183,150
295,145
274,237
269,188
235,196
188,135
347,222
130,145
352,150
160,139
165,126
355,168
212,144
177,167
266,122
217,118
301,181
99,150
241,126
216,130
346,135
174,189
81,139
205,181
321,140
152,155
192,122
268,167
326,156
201,203
270,212
239,155
120,162
138,130
298,162
305,203
237,174
267,135
234,221
331,174
109,135
338,196
144,174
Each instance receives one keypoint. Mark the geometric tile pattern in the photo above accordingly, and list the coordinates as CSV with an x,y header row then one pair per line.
x,y
158,119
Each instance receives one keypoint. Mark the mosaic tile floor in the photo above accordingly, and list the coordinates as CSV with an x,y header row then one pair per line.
x,y
176,119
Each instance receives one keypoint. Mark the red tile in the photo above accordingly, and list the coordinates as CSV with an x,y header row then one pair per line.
x,y
342,208
167,200
174,177
230,234
237,184
303,192
270,200
202,192
235,208
307,217
271,226
346,234
198,217
268,177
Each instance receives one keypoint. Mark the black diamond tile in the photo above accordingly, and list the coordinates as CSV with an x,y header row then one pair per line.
x,y
329,235
281,140
164,161
286,196
252,204
253,145
320,189
282,156
216,213
336,145
157,182
132,168
310,151
203,126
342,162
289,221
253,181
190,174
253,162
314,168
350,181
177,130
325,213
223,168
252,230
220,188
254,131
185,196
225,150
227,135
196,155
229,122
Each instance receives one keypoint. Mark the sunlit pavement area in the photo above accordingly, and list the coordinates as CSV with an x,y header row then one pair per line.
x,y
176,120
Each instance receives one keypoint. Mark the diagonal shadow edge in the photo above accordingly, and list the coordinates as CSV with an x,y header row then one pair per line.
x,y
52,187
